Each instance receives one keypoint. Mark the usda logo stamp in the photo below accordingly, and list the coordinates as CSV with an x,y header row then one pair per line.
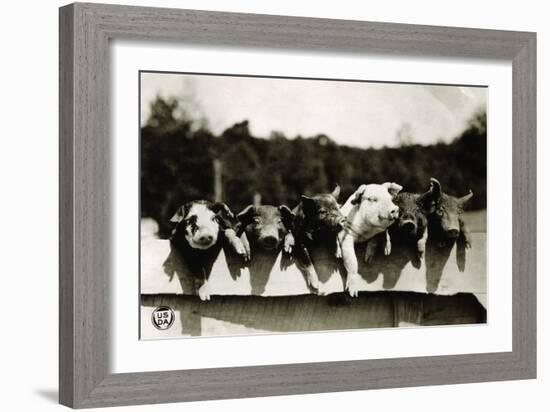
x,y
163,317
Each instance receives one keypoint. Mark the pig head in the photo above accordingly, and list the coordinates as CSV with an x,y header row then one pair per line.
x,y
319,216
265,227
444,212
200,222
371,210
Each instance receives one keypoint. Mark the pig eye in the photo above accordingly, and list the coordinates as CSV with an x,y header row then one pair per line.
x,y
439,212
322,211
257,220
372,199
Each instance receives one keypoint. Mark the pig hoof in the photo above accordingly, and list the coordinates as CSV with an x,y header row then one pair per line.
x,y
368,258
247,256
468,245
321,291
352,285
313,282
338,252
288,249
387,249
204,292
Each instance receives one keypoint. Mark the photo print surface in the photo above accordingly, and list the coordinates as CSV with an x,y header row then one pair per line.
x,y
281,205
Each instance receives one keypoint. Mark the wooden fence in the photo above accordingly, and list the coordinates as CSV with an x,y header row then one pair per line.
x,y
270,294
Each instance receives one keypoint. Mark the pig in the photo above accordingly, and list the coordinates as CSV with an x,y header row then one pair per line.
x,y
446,228
201,227
317,219
265,227
408,235
369,211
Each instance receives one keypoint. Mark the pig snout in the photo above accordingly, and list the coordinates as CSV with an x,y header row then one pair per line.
x,y
452,233
391,214
337,222
342,222
408,225
269,238
204,239
450,228
269,242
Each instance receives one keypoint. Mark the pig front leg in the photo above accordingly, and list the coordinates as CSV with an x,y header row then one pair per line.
x,y
421,243
288,243
387,246
462,243
204,291
306,265
237,244
202,287
353,279
246,245
338,253
465,234
420,250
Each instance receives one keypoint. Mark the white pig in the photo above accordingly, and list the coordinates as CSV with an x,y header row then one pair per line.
x,y
369,210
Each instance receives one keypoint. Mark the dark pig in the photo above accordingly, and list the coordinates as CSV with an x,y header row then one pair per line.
x,y
265,227
408,235
446,228
317,219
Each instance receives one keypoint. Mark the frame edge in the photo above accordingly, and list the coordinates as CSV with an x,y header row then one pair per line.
x,y
524,84
83,375
66,211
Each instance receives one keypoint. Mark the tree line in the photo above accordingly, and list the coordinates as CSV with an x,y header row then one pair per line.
x,y
178,156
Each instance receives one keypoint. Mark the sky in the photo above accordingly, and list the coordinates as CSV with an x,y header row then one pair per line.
x,y
360,114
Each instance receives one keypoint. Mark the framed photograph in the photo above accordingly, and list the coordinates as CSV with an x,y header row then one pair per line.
x,y
256,205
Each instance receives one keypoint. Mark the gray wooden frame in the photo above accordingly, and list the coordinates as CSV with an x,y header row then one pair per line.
x,y
85,31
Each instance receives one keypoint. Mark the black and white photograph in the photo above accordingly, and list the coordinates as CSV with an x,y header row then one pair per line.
x,y
283,205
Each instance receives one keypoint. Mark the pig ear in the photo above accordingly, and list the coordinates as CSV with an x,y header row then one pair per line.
x,y
287,215
358,195
307,202
246,215
393,188
464,199
179,215
435,188
222,209
336,192
426,202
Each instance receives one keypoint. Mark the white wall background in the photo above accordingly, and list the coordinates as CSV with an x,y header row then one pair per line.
x,y
28,206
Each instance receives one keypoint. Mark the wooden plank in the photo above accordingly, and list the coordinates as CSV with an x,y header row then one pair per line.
x,y
252,315
163,271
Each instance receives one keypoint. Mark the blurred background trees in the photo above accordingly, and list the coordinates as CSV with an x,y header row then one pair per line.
x,y
179,155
